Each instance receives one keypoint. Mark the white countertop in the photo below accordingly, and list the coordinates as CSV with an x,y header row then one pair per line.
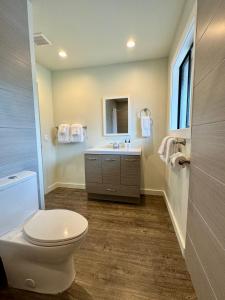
x,y
120,151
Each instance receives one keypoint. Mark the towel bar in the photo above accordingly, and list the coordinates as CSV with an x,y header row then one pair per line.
x,y
84,127
180,141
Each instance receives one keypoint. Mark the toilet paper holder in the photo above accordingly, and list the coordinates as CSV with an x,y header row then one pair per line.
x,y
184,162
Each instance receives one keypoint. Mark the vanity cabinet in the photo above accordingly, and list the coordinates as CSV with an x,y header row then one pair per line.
x,y
113,177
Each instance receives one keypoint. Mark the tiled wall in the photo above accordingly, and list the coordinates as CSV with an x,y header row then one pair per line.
x,y
205,253
17,120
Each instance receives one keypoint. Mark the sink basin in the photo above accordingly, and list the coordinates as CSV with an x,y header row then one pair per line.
x,y
110,150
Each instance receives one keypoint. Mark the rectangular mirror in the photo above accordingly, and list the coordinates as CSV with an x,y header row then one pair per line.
x,y
116,115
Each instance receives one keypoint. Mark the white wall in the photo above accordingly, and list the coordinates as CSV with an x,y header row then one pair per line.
x,y
44,79
177,182
77,98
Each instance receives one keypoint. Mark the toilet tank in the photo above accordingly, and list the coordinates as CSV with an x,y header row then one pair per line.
x,y
18,199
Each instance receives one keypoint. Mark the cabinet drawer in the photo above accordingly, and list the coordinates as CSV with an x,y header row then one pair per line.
x,y
111,169
130,170
119,190
93,168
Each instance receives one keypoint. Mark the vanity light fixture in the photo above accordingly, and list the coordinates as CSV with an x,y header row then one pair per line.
x,y
131,44
62,54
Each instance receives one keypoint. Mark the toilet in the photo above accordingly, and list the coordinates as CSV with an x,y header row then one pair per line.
x,y
36,246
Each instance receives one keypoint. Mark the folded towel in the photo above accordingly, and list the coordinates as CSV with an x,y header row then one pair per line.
x,y
167,148
170,147
162,148
76,133
146,123
64,133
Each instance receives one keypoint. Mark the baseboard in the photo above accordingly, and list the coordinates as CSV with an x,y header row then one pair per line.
x,y
80,186
51,187
55,185
152,192
175,224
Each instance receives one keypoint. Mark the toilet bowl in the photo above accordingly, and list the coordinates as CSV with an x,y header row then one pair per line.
x,y
37,246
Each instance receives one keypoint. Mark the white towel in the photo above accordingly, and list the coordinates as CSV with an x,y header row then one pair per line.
x,y
146,123
76,133
162,148
170,147
167,148
64,133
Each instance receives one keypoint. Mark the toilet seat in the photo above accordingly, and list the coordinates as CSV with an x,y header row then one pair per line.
x,y
55,227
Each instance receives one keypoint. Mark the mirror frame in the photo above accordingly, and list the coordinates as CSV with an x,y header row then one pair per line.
x,y
104,115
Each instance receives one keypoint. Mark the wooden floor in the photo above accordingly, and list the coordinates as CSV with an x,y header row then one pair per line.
x,y
130,253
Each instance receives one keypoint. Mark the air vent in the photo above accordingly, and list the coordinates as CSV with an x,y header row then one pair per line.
x,y
41,40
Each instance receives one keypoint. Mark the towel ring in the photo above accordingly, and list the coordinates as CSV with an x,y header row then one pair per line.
x,y
146,111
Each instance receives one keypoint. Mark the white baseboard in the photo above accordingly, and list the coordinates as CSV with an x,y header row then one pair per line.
x,y
55,185
71,185
82,186
152,192
51,187
175,224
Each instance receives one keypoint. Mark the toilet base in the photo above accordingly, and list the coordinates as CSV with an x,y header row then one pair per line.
x,y
47,279
40,269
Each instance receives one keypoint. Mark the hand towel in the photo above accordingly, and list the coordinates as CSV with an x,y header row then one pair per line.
x,y
162,148
167,148
146,123
64,133
170,147
76,133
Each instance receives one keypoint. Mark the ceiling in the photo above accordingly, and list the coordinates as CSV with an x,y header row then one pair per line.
x,y
95,32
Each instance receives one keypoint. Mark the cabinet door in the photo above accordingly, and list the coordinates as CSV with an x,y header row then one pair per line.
x,y
111,169
93,168
130,170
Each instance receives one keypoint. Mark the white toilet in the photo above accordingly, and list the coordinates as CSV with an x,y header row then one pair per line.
x,y
36,246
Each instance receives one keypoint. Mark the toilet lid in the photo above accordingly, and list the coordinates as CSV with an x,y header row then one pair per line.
x,y
56,225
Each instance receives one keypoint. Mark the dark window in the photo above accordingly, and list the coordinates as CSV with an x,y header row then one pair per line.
x,y
183,118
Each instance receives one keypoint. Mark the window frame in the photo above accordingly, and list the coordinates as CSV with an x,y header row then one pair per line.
x,y
184,44
188,57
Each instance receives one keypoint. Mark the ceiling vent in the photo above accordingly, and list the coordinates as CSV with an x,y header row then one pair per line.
x,y
41,40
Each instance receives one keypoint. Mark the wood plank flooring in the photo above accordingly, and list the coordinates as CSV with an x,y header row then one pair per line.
x,y
130,253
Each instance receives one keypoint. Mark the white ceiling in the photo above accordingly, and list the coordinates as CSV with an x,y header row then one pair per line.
x,y
95,32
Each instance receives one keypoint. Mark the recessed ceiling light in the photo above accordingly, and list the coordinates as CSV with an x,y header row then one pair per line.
x,y
62,54
131,44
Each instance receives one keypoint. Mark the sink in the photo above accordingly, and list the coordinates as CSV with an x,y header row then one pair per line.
x,y
110,150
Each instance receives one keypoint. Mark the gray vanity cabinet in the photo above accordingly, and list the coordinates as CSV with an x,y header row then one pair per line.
x,y
113,177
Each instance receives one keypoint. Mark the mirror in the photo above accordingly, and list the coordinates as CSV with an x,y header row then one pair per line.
x,y
116,116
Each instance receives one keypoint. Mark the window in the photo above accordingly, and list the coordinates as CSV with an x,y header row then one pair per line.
x,y
181,81
183,115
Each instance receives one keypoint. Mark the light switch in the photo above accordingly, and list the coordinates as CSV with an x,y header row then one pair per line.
x,y
46,138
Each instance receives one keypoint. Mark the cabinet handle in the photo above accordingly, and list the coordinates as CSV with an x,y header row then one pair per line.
x,y
110,190
89,158
130,159
110,159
